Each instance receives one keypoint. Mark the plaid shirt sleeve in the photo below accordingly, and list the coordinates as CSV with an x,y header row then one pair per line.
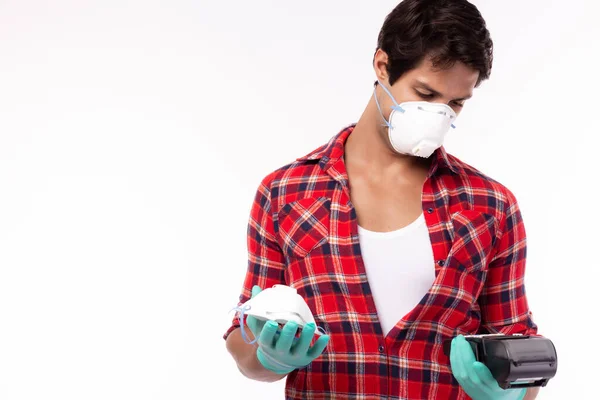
x,y
503,301
266,262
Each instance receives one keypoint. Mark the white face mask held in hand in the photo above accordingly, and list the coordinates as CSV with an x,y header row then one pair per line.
x,y
280,303
417,128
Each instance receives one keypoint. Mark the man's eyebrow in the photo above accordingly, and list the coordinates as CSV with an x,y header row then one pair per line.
x,y
436,93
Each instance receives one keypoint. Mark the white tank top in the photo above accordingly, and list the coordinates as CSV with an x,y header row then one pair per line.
x,y
400,269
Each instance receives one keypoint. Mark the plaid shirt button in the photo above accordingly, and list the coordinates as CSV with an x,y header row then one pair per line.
x,y
381,349
430,210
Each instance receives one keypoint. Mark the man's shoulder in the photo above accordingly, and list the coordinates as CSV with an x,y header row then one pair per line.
x,y
480,182
308,166
297,173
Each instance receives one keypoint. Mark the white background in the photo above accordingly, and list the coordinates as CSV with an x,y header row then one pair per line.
x,y
133,135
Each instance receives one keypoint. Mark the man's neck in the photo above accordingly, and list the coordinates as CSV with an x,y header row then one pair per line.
x,y
368,150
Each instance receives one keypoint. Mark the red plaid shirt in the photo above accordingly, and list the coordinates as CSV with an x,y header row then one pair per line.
x,y
303,232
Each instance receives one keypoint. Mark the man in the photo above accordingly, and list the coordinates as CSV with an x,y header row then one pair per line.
x,y
395,245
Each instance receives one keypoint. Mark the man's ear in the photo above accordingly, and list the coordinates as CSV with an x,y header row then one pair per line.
x,y
380,61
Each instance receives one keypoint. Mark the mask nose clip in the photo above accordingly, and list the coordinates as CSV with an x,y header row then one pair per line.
x,y
440,112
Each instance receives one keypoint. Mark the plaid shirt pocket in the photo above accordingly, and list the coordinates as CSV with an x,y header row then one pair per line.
x,y
475,235
304,226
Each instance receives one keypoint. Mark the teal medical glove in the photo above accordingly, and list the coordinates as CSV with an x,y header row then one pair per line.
x,y
280,353
256,325
474,377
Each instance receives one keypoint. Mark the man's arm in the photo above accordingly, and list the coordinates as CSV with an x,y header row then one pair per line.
x,y
244,355
531,393
503,302
266,267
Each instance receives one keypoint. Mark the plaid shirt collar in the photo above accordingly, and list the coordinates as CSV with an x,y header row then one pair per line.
x,y
333,152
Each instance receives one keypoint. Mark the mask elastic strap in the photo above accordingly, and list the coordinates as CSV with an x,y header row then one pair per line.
x,y
321,330
395,107
242,311
379,108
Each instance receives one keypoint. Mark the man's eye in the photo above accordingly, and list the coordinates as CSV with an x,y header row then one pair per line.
x,y
425,96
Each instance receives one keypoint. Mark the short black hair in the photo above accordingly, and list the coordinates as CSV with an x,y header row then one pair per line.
x,y
445,30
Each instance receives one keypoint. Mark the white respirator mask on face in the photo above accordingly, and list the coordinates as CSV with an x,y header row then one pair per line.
x,y
417,128
279,303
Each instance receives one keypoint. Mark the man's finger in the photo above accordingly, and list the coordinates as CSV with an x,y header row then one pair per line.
x,y
485,375
465,351
286,337
456,362
319,346
256,290
303,344
267,335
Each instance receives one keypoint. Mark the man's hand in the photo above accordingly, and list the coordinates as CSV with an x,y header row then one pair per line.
x,y
474,377
281,352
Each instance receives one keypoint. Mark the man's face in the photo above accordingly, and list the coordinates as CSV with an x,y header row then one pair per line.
x,y
452,86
